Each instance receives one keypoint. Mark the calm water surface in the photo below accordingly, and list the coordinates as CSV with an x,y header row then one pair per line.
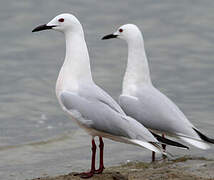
x,y
36,136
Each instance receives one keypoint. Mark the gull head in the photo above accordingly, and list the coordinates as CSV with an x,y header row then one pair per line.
x,y
127,32
62,23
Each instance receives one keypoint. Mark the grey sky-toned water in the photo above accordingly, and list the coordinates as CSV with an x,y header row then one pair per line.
x,y
36,136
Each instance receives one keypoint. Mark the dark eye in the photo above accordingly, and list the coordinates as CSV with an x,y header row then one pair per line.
x,y
120,30
61,20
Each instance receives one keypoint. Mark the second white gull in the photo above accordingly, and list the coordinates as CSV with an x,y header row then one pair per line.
x,y
142,101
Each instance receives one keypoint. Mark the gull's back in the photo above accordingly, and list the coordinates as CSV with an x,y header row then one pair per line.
x,y
156,111
94,109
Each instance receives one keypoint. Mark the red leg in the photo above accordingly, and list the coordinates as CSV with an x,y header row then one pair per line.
x,y
91,172
153,156
163,145
164,148
101,168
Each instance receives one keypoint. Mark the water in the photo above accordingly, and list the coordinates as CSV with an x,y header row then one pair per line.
x,y
36,136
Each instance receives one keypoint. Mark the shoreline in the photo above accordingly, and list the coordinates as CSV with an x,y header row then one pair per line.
x,y
185,168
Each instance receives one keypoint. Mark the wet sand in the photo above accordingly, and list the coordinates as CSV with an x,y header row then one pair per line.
x,y
185,168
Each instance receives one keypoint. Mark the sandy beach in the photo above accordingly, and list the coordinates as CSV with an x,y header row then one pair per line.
x,y
185,168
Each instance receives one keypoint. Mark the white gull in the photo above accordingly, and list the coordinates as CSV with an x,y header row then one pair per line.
x,y
86,103
142,101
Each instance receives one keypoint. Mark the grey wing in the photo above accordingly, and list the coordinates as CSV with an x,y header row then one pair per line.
x,y
95,92
155,111
97,114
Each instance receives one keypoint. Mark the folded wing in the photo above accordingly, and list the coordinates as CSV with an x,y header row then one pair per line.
x,y
101,112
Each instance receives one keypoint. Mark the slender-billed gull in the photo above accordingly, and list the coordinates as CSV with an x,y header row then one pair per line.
x,y
86,103
142,101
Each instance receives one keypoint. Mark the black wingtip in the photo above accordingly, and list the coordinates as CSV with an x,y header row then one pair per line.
x,y
168,141
203,137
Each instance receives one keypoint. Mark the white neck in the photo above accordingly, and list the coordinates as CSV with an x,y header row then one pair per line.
x,y
76,67
137,71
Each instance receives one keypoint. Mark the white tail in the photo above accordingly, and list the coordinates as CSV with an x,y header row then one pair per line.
x,y
148,145
195,142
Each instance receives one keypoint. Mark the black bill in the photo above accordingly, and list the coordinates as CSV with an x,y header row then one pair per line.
x,y
110,36
42,27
